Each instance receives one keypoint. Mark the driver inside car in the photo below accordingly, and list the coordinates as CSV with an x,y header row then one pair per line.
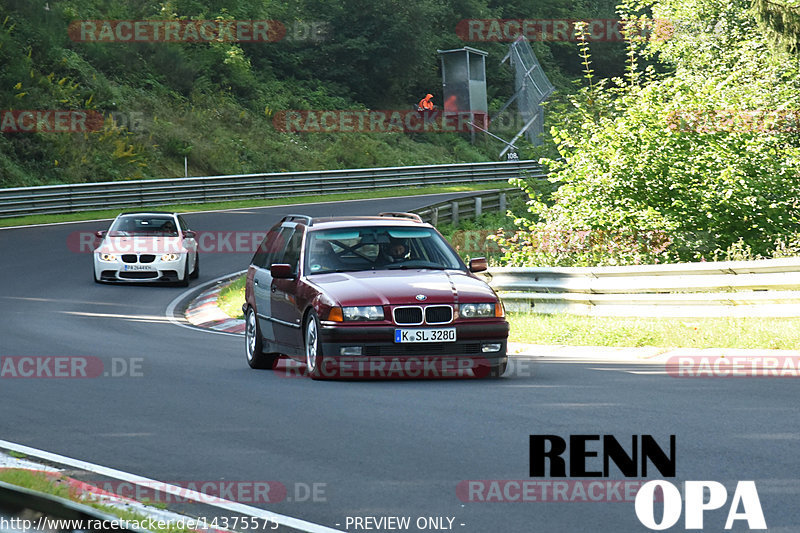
x,y
395,251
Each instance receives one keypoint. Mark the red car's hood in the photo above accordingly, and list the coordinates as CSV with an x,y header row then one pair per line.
x,y
401,287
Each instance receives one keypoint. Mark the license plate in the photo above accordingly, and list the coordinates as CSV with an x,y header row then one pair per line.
x,y
137,267
425,335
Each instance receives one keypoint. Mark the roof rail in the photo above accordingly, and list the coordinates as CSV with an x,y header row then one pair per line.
x,y
396,214
305,218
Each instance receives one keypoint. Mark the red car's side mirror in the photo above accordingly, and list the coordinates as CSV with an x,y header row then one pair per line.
x,y
478,264
281,271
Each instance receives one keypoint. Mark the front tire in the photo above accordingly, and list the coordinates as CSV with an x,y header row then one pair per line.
x,y
254,343
196,271
314,359
185,281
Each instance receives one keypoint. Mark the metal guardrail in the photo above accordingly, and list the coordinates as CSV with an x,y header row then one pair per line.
x,y
472,206
737,288
52,199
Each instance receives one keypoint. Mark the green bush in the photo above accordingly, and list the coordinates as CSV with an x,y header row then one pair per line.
x,y
653,154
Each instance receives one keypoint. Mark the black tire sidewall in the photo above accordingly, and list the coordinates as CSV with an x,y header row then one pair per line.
x,y
257,359
317,373
196,271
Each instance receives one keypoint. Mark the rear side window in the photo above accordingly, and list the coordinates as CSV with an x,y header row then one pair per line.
x,y
291,255
271,247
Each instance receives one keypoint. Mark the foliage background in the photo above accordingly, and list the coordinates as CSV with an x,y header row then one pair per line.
x,y
659,165
214,102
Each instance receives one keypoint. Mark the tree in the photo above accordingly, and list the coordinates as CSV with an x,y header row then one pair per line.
x,y
782,19
704,155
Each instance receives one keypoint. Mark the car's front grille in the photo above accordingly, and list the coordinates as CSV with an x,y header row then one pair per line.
x,y
438,314
147,258
412,315
409,316
129,258
139,275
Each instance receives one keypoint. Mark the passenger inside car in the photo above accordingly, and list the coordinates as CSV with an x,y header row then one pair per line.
x,y
323,258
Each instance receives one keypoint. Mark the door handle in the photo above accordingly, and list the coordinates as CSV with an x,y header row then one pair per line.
x,y
255,282
274,288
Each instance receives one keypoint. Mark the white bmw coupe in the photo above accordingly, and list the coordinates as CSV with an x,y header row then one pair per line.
x,y
147,246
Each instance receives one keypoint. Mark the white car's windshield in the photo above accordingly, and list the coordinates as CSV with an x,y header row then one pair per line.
x,y
377,248
143,225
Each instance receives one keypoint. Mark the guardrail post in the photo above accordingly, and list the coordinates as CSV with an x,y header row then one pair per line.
x,y
454,213
503,203
478,207
434,216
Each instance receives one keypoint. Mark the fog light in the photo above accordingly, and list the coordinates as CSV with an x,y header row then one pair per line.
x,y
485,348
350,350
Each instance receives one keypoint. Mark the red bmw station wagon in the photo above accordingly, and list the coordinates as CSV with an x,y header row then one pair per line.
x,y
367,296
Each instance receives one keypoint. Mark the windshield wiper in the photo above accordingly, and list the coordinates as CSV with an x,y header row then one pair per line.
x,y
415,267
338,270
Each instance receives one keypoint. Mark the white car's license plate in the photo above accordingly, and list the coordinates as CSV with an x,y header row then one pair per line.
x,y
137,267
425,335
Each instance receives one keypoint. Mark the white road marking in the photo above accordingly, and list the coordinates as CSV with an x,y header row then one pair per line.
x,y
170,312
171,489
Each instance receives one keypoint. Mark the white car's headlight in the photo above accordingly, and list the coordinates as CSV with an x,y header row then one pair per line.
x,y
107,257
476,310
170,257
372,312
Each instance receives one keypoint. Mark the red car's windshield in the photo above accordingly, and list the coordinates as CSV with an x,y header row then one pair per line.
x,y
377,248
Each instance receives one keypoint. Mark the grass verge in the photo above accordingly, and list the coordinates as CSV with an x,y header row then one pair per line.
x,y
52,484
575,330
231,298
189,208
717,332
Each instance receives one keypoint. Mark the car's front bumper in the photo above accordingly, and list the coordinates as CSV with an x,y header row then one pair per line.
x,y
157,270
360,349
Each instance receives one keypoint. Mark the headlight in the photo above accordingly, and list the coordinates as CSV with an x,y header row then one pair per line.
x,y
170,257
107,257
372,312
476,310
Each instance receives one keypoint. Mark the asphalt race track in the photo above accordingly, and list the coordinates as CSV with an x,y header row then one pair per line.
x,y
194,411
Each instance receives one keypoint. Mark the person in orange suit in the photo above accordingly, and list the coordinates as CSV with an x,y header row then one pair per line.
x,y
426,104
